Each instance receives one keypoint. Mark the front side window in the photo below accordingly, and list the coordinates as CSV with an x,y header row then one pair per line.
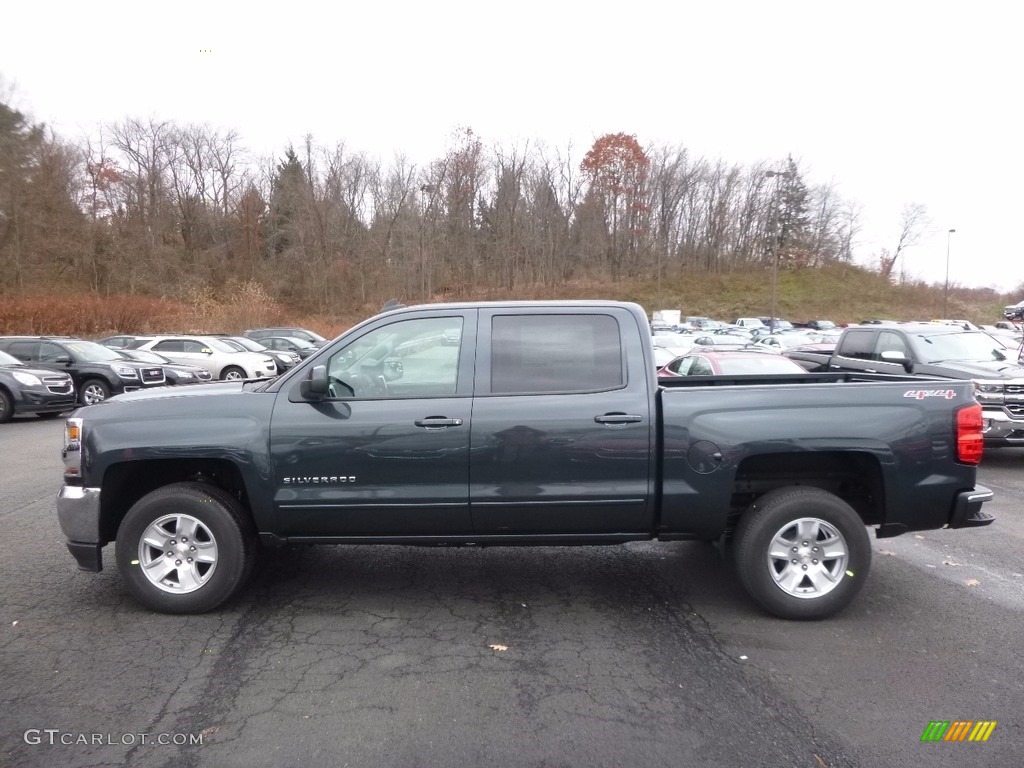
x,y
534,354
410,358
891,342
51,353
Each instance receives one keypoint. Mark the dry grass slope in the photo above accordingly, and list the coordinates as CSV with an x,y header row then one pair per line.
x,y
838,293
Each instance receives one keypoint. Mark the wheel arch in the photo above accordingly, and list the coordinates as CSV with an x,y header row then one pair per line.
x,y
854,476
127,482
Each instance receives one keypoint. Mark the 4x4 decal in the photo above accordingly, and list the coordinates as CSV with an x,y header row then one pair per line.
x,y
921,394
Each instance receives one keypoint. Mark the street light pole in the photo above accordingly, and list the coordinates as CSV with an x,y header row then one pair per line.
x,y
776,236
945,293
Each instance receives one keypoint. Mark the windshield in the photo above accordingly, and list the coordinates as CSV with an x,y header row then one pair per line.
x,y
6,359
223,345
300,343
93,352
967,346
143,356
248,344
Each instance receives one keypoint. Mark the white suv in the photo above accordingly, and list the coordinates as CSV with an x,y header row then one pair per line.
x,y
220,359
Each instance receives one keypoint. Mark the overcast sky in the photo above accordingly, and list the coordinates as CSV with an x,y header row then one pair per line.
x,y
895,102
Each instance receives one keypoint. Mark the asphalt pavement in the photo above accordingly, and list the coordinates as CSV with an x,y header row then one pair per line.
x,y
638,655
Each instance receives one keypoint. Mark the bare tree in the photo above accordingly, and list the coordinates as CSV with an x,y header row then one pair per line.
x,y
914,222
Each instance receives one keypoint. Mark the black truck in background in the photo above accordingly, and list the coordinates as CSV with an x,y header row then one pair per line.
x,y
518,423
935,351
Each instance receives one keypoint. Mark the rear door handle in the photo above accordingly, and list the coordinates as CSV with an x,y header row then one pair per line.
x,y
618,418
437,422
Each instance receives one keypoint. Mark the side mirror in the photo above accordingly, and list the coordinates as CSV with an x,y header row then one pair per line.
x,y
893,356
66,359
206,351
314,387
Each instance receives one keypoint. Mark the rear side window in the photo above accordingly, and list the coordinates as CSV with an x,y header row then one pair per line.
x,y
169,345
534,354
859,345
25,351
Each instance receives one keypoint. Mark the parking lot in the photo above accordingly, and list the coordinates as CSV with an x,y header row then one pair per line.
x,y
638,655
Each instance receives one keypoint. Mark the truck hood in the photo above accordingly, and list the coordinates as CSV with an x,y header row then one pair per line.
x,y
995,369
165,393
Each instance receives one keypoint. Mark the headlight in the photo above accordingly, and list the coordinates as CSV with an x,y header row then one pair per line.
x,y
988,391
125,371
27,379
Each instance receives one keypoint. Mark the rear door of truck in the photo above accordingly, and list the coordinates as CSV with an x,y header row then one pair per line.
x,y
563,428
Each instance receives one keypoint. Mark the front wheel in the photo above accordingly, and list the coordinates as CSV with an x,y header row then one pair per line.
x,y
6,407
185,548
232,373
802,553
93,391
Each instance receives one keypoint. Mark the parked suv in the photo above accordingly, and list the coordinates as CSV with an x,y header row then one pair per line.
x,y
32,390
299,333
97,372
209,352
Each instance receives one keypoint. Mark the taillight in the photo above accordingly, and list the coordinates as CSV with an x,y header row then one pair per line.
x,y
970,441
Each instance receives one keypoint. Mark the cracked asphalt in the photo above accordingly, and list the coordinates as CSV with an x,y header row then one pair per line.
x,y
638,655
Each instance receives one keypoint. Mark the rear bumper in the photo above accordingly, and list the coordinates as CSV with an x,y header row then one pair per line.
x,y
967,511
78,510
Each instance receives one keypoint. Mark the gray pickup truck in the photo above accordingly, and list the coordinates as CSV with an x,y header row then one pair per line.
x,y
936,351
510,424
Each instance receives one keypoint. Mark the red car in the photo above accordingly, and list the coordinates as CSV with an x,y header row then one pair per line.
x,y
710,363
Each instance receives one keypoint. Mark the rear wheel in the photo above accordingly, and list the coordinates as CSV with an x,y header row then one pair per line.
x,y
185,548
801,553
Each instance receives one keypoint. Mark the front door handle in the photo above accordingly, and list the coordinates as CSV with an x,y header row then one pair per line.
x,y
437,422
618,418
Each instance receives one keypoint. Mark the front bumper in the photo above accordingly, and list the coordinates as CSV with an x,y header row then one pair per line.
x,y
967,509
999,428
41,401
78,510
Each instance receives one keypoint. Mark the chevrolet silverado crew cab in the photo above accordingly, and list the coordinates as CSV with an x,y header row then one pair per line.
x,y
517,423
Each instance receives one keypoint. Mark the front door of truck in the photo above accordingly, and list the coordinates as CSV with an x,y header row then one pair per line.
x,y
562,423
386,452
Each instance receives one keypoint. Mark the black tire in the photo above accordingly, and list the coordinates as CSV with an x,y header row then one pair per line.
x,y
93,391
6,406
218,525
232,372
806,525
